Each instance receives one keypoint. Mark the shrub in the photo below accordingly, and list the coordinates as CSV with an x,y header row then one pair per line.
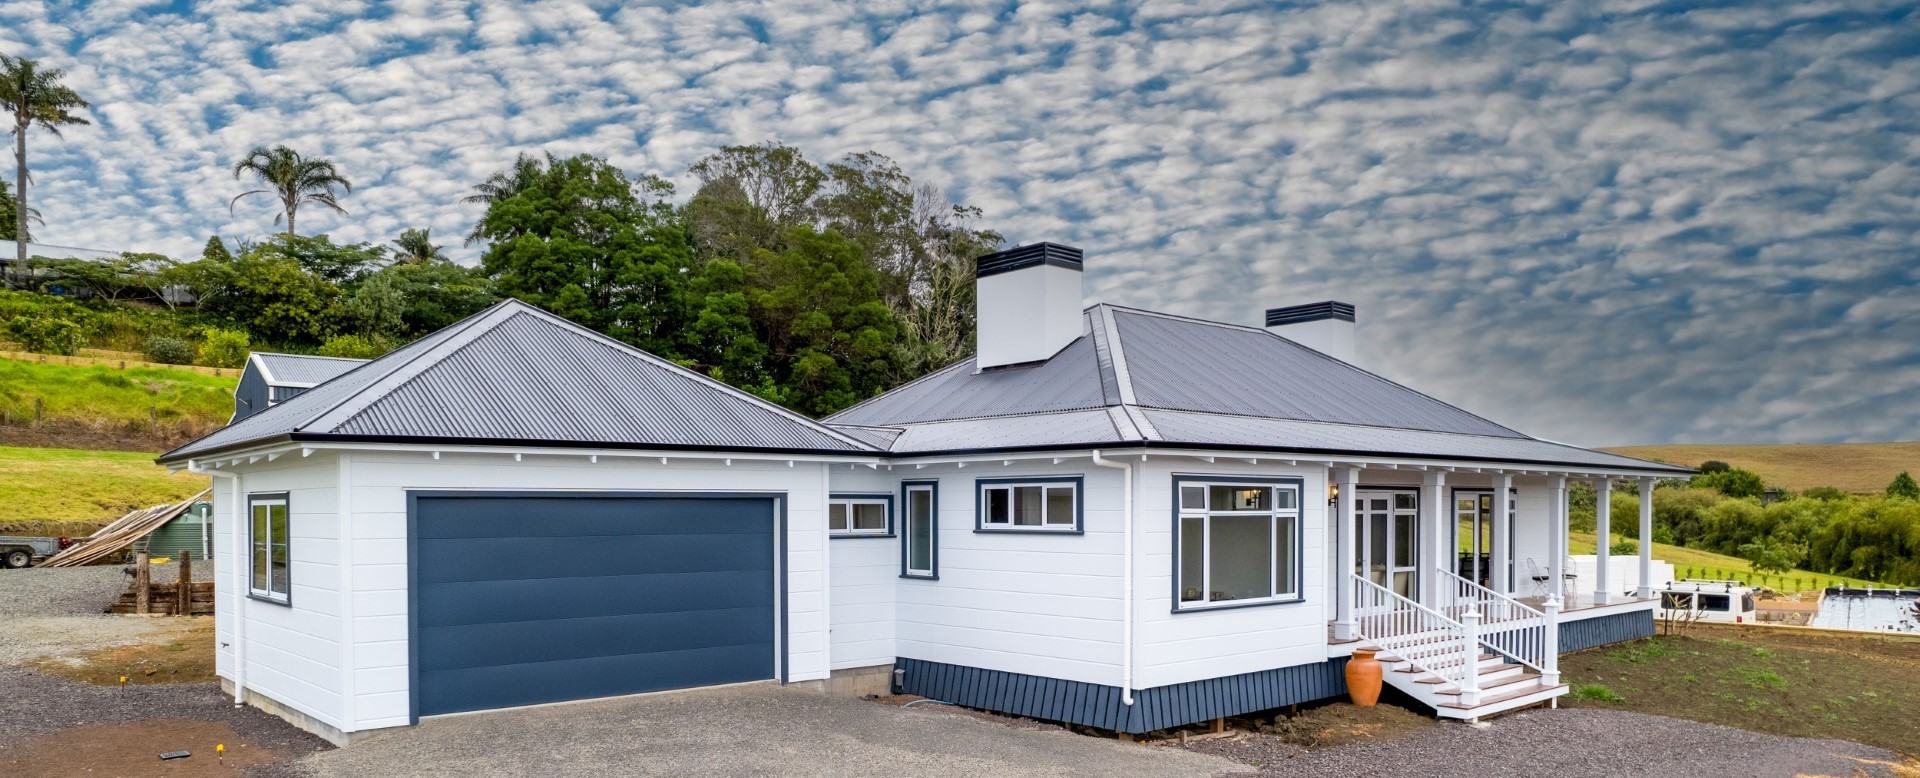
x,y
1826,493
224,348
1624,548
167,351
1714,466
353,347
1733,482
43,334
1594,691
1903,486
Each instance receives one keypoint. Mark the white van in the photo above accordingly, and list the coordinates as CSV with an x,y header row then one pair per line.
x,y
1705,600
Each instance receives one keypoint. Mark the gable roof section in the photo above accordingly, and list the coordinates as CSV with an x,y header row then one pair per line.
x,y
517,375
1143,378
301,369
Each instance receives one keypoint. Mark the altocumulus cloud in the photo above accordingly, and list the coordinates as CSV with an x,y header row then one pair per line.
x,y
1606,222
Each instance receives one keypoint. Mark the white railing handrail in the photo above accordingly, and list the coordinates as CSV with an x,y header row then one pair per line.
x,y
1415,633
1508,627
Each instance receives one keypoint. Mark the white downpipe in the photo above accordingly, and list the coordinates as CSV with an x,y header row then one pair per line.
x,y
233,569
1126,573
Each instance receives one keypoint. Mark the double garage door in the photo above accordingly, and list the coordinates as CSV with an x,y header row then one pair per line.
x,y
521,599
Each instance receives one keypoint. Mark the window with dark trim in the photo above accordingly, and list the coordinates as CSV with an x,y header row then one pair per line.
x,y
860,515
268,542
1236,542
920,529
1042,504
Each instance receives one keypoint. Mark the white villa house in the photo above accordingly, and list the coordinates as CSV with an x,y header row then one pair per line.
x,y
1112,517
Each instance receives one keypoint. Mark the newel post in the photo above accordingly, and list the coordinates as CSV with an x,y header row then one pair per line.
x,y
1550,651
1470,681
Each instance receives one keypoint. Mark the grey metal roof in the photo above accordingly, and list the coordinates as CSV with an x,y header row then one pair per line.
x,y
516,374
1138,377
303,369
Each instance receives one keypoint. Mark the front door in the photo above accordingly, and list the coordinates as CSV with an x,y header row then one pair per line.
x,y
1387,526
1473,534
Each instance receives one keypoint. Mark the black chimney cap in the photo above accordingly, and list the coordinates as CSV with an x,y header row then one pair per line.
x,y
1030,255
1296,314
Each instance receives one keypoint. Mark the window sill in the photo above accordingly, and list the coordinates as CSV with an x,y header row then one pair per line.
x,y
851,536
257,597
921,577
1236,604
1063,530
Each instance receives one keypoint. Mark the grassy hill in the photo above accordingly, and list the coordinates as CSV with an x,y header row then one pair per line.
x,y
58,491
1695,563
1860,468
104,406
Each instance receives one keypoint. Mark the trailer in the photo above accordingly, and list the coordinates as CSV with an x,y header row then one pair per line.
x,y
18,551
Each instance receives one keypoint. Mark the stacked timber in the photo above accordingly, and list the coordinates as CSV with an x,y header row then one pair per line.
x,y
120,534
163,599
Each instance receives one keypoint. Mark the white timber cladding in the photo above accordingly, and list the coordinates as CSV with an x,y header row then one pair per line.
x,y
294,652
1027,315
865,570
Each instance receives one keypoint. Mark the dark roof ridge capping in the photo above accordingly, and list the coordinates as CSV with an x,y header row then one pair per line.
x,y
514,374
1297,314
1030,255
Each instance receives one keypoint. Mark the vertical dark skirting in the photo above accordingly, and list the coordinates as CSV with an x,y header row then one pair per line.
x,y
1619,627
1098,705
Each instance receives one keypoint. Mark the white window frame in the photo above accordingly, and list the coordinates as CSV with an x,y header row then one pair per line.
x,y
1205,514
985,488
255,548
847,502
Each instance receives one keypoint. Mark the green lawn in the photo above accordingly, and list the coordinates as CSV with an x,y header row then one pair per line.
x,y
63,491
1695,563
100,393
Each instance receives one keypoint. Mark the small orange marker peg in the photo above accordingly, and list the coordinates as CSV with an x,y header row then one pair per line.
x,y
123,680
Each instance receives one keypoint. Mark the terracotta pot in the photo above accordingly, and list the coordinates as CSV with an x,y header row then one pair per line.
x,y
1363,678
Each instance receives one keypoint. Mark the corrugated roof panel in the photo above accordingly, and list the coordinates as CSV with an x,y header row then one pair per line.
x,y
305,369
514,373
1191,365
1091,428
1208,429
1068,381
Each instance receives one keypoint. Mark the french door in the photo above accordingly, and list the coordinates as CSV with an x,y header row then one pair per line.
x,y
1473,536
1387,528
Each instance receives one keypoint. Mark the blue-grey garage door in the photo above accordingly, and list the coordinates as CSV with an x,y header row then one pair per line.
x,y
523,599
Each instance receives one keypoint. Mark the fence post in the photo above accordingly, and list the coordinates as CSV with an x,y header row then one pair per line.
x,y
1550,653
142,592
39,408
1470,680
183,600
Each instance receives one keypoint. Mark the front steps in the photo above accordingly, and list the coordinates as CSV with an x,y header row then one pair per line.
x,y
1504,686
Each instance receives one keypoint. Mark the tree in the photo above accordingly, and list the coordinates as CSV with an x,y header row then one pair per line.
x,y
562,235
416,247
1903,487
377,306
1733,482
9,216
817,307
293,178
1773,555
337,263
436,295
1714,466
36,98
503,186
216,250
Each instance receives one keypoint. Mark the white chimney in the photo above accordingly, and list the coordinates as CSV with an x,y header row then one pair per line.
x,y
1028,301
1326,327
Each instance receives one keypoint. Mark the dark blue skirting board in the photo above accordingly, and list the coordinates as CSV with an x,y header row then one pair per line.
x,y
1601,630
1098,705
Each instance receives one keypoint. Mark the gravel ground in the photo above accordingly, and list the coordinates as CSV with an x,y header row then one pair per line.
x,y
1577,743
59,611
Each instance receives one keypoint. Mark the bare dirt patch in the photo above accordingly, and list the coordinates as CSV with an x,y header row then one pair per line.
x,y
185,656
134,749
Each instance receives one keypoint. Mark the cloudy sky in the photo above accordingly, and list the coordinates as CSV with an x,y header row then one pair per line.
x,y
1602,221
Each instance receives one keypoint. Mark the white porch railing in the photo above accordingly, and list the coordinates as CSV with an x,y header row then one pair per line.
x,y
1507,626
1422,636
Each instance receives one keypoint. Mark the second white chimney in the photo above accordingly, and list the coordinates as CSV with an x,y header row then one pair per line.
x,y
1326,327
1027,304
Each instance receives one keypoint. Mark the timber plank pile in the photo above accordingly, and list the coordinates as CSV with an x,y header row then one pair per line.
x,y
150,598
117,536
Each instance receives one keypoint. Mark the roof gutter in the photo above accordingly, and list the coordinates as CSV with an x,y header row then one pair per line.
x,y
1126,572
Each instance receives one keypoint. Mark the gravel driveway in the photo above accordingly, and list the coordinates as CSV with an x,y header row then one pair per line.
x,y
58,611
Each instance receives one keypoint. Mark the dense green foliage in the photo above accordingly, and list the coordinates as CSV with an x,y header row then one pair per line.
x,y
224,348
1870,538
1732,482
1903,487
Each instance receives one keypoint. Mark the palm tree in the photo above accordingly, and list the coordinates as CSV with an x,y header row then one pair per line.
x,y
294,178
415,247
37,98
501,186
7,205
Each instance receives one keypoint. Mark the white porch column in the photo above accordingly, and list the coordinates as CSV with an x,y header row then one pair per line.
x,y
1347,480
1435,539
1502,534
1602,526
1646,540
1556,538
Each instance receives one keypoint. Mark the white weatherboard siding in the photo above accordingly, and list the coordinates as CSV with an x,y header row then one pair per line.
x,y
1046,605
865,572
292,651
1171,648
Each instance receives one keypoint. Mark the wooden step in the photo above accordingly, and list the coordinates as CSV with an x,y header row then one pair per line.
x,y
1485,671
1500,698
1494,684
